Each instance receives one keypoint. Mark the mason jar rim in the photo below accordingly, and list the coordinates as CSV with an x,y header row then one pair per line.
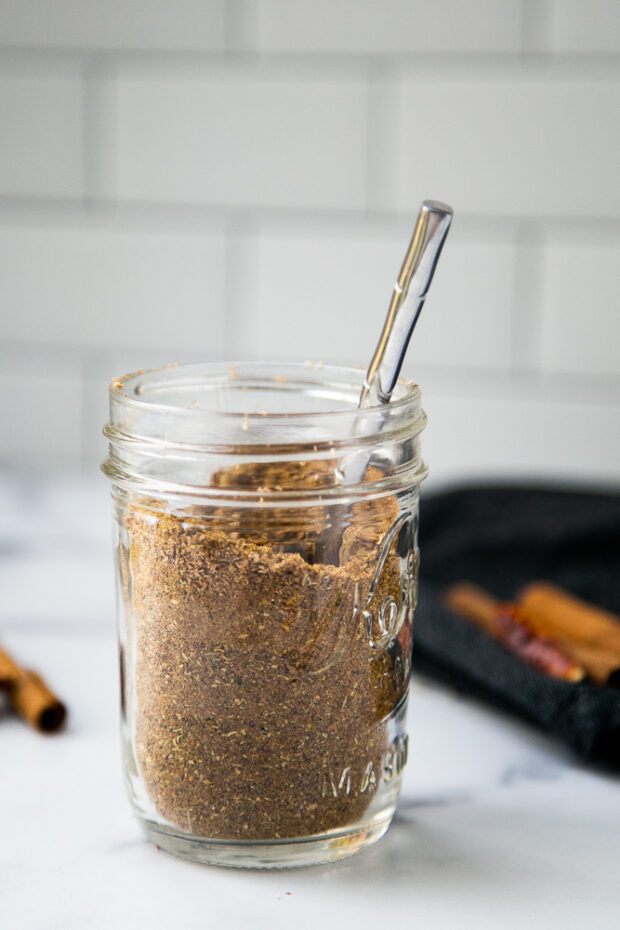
x,y
165,421
140,407
406,392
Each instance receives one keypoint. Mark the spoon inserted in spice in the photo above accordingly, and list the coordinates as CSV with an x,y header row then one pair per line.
x,y
408,296
269,612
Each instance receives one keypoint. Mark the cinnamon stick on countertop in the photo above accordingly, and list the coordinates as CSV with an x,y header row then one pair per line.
x,y
506,624
9,670
30,697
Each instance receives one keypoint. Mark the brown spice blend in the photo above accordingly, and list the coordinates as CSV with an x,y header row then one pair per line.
x,y
256,686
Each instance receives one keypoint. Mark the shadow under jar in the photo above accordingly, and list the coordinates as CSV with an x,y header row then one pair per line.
x,y
265,610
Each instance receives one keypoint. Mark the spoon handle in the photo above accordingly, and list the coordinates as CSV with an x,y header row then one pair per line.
x,y
407,301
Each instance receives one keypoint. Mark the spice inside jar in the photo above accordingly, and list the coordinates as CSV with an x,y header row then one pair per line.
x,y
266,632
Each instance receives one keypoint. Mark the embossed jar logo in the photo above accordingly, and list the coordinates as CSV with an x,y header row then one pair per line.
x,y
326,621
382,613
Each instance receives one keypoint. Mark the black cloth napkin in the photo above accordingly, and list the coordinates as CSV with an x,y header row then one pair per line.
x,y
502,538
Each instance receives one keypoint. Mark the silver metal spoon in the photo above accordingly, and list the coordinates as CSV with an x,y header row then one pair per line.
x,y
408,296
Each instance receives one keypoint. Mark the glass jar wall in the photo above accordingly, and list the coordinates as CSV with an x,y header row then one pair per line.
x,y
265,607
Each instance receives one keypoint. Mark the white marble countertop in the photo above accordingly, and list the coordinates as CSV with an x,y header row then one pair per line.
x,y
497,827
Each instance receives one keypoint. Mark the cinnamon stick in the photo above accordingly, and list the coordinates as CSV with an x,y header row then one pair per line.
x,y
506,624
591,633
30,697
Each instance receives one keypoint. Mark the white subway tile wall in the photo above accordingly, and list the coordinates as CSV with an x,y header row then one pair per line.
x,y
585,27
509,141
323,290
99,284
114,24
41,150
580,310
236,135
239,178
41,414
395,26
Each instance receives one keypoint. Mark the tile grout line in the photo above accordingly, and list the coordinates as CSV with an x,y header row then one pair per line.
x,y
536,28
94,140
241,48
240,27
58,209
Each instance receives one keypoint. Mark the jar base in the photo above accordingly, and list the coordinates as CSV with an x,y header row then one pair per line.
x,y
270,854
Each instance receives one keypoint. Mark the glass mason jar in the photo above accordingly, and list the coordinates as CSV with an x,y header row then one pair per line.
x,y
265,606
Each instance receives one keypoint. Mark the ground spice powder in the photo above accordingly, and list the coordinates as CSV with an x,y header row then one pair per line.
x,y
258,700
